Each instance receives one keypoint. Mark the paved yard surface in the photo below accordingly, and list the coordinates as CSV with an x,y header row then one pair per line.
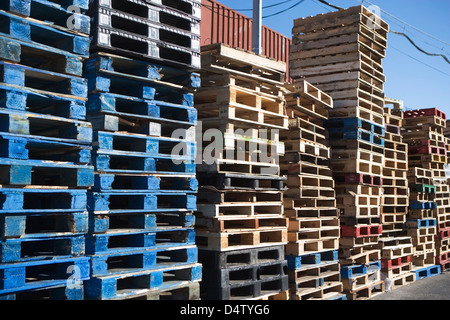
x,y
433,288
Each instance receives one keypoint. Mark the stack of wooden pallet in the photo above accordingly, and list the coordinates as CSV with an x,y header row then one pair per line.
x,y
45,150
396,248
141,234
341,53
310,201
423,132
443,215
241,229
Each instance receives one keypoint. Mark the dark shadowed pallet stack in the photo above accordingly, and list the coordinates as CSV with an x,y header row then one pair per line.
x,y
142,72
240,224
341,53
310,200
45,150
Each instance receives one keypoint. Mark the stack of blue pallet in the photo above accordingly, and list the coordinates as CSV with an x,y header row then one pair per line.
x,y
141,240
45,149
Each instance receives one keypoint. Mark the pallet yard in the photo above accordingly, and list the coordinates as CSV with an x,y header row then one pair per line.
x,y
138,164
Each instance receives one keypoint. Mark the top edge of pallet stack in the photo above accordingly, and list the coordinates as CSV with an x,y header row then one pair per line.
x,y
340,17
189,9
52,14
243,56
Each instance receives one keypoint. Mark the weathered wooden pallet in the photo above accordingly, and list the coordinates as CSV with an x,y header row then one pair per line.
x,y
160,75
221,58
122,201
46,81
242,224
356,14
124,163
32,248
35,32
122,286
57,292
35,200
311,261
23,147
240,240
43,102
306,247
40,56
45,173
57,224
107,182
358,112
139,144
183,290
53,14
236,210
25,276
230,181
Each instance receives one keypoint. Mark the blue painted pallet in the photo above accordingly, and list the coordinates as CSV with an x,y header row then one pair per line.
x,y
123,162
52,12
29,148
101,223
26,200
38,55
427,272
349,124
47,81
176,78
107,182
420,223
130,107
58,292
38,101
118,241
129,202
357,134
24,7
45,173
31,248
138,144
45,126
351,271
422,205
34,32
126,285
125,262
141,88
313,259
43,224
23,276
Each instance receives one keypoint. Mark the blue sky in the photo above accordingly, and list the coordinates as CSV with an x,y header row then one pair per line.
x,y
407,79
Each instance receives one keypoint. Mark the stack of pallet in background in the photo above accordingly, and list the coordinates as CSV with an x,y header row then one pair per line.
x,y
341,53
396,248
241,230
45,151
423,132
310,201
141,239
443,251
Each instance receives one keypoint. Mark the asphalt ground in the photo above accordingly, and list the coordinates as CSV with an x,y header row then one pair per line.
x,y
431,288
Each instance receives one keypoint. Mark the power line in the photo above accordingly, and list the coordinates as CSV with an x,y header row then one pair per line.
x,y
330,5
420,61
267,7
420,49
282,11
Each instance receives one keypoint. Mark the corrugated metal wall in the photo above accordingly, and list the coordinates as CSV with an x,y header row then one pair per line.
x,y
221,24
